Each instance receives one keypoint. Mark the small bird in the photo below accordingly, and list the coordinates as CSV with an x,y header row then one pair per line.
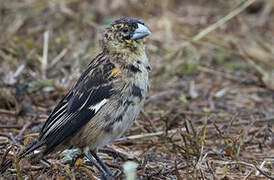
x,y
105,100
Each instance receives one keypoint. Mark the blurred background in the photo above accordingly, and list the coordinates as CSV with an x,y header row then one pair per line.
x,y
210,112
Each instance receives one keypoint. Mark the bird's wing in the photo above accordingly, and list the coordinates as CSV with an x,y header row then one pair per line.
x,y
83,101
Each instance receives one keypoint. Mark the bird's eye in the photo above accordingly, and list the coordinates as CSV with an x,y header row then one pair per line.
x,y
125,30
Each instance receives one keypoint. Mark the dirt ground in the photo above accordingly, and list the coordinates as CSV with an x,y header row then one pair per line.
x,y
210,112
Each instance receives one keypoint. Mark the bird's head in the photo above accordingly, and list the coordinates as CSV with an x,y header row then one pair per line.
x,y
125,35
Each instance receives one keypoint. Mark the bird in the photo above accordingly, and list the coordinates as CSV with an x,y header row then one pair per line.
x,y
104,101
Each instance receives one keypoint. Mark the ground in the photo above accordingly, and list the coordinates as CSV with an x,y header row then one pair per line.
x,y
210,112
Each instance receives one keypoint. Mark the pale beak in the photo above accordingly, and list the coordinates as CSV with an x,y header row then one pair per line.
x,y
141,32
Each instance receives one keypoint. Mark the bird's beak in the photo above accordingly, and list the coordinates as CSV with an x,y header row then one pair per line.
x,y
141,32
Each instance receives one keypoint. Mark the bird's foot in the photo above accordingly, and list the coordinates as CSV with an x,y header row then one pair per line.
x,y
117,174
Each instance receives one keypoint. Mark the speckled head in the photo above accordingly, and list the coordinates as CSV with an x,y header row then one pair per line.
x,y
126,32
129,21
131,28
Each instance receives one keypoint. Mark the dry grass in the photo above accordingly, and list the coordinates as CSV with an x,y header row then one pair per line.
x,y
210,112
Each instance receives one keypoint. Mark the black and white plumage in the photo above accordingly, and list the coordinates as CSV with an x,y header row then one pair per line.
x,y
105,100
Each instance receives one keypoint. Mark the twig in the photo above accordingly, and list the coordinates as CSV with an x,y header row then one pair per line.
x,y
218,73
10,137
4,111
27,125
233,118
45,163
20,126
159,133
159,95
14,113
58,57
32,168
247,176
5,155
191,113
177,174
222,21
263,173
263,120
10,126
114,153
4,85
141,136
261,166
211,171
246,164
149,120
167,172
31,135
145,130
13,139
202,174
45,55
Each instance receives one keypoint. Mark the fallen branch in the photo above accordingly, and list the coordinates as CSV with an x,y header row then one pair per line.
x,y
222,21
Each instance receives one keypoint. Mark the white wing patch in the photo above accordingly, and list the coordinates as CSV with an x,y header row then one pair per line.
x,y
98,106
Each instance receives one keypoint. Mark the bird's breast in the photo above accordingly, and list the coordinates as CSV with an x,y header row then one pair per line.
x,y
131,99
139,71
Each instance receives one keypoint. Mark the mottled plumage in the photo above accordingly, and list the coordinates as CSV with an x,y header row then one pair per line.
x,y
107,97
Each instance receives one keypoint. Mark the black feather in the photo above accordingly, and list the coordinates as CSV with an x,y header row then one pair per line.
x,y
108,67
94,82
52,117
104,92
136,91
68,129
134,69
74,119
30,148
73,112
92,65
77,101
64,102
119,118
129,21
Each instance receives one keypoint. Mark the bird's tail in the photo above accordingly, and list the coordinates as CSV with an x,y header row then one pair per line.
x,y
33,145
5,165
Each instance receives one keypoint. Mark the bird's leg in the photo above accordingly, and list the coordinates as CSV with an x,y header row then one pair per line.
x,y
101,163
92,159
45,162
